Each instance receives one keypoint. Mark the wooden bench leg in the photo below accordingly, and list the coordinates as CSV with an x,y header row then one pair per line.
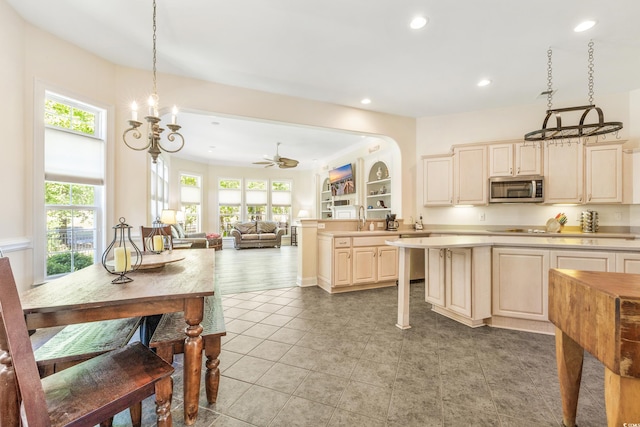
x,y
569,357
164,394
621,396
212,346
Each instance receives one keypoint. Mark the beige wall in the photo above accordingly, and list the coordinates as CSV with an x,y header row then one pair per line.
x,y
31,55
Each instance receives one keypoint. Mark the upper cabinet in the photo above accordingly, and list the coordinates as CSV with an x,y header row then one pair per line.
x,y
515,159
470,175
603,173
563,173
378,191
437,180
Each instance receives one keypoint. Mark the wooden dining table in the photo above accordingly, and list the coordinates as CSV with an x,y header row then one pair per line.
x,y
175,285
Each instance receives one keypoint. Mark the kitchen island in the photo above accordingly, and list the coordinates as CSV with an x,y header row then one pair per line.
x,y
502,281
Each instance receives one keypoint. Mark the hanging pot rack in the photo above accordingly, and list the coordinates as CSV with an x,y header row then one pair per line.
x,y
561,133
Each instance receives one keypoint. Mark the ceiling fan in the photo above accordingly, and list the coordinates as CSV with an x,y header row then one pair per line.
x,y
282,162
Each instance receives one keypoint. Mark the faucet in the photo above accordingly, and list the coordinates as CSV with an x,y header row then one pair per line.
x,y
362,220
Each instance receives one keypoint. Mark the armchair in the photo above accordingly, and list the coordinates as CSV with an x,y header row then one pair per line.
x,y
197,240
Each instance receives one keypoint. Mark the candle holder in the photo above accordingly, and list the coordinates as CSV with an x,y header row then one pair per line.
x,y
122,255
157,240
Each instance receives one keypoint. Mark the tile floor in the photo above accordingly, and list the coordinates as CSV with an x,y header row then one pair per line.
x,y
302,357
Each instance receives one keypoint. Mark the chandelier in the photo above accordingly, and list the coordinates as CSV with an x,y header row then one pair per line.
x,y
154,131
561,133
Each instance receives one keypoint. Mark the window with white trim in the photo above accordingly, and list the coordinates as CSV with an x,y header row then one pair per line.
x,y
159,188
74,176
256,200
229,203
281,201
191,202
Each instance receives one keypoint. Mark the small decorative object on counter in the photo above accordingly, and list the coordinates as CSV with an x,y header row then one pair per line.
x,y
418,224
589,221
122,255
157,239
562,218
553,226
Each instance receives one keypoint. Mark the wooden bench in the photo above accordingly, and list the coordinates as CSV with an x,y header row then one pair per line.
x,y
168,340
76,343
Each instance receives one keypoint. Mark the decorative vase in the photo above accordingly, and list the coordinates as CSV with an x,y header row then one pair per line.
x,y
379,173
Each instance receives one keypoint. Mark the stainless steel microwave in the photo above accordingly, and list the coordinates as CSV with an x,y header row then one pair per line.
x,y
521,189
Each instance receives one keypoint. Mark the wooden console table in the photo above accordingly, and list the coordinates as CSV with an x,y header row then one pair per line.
x,y
600,313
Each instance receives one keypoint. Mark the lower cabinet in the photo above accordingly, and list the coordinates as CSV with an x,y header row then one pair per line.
x,y
346,264
627,262
584,260
521,283
459,283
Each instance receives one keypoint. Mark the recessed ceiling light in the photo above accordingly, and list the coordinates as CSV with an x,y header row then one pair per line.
x,y
418,22
365,101
484,82
584,26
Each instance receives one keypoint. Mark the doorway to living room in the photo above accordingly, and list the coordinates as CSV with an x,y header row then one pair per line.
x,y
259,269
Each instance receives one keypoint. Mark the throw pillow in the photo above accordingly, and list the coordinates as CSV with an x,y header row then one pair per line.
x,y
180,230
245,227
266,226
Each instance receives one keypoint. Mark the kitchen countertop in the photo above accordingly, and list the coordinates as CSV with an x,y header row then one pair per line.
x,y
476,232
514,241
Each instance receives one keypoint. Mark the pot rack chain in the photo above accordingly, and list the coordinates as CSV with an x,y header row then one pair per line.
x,y
549,79
590,72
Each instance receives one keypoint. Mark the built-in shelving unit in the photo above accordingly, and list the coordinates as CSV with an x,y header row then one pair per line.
x,y
326,200
378,191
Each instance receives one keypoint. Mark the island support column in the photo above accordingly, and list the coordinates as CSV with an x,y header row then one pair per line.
x,y
404,288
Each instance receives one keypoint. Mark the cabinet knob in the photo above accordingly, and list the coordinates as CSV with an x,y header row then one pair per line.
x,y
441,252
510,171
589,197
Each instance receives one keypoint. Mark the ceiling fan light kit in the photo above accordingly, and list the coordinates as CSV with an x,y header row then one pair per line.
x,y
582,131
282,162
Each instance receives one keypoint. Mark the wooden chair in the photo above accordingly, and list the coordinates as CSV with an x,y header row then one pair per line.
x,y
147,237
102,386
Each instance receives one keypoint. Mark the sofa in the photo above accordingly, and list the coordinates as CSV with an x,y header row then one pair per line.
x,y
178,235
257,234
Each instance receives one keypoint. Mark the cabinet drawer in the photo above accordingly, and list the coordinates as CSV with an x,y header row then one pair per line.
x,y
373,240
342,242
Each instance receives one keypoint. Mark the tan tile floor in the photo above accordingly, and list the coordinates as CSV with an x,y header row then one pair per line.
x,y
302,357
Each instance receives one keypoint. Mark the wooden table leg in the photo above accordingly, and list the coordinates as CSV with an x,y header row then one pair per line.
x,y
212,350
404,288
622,399
569,356
193,312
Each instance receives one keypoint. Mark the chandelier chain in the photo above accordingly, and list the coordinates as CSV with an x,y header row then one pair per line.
x,y
591,72
549,80
155,89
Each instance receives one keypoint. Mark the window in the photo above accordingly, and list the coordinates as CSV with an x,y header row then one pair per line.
x,y
191,201
229,203
281,201
256,200
159,188
74,159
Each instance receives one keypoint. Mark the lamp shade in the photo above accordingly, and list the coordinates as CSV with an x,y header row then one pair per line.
x,y
168,216
303,213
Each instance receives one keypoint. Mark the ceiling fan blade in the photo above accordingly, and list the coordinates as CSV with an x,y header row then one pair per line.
x,y
288,162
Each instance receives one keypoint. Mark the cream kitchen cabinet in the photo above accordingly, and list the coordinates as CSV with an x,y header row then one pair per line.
x,y
459,283
437,180
603,173
515,159
563,173
374,264
628,262
584,260
346,263
521,283
470,175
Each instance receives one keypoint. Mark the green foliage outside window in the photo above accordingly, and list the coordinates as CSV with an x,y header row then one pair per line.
x,y
64,263
69,117
189,180
230,184
256,185
280,186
